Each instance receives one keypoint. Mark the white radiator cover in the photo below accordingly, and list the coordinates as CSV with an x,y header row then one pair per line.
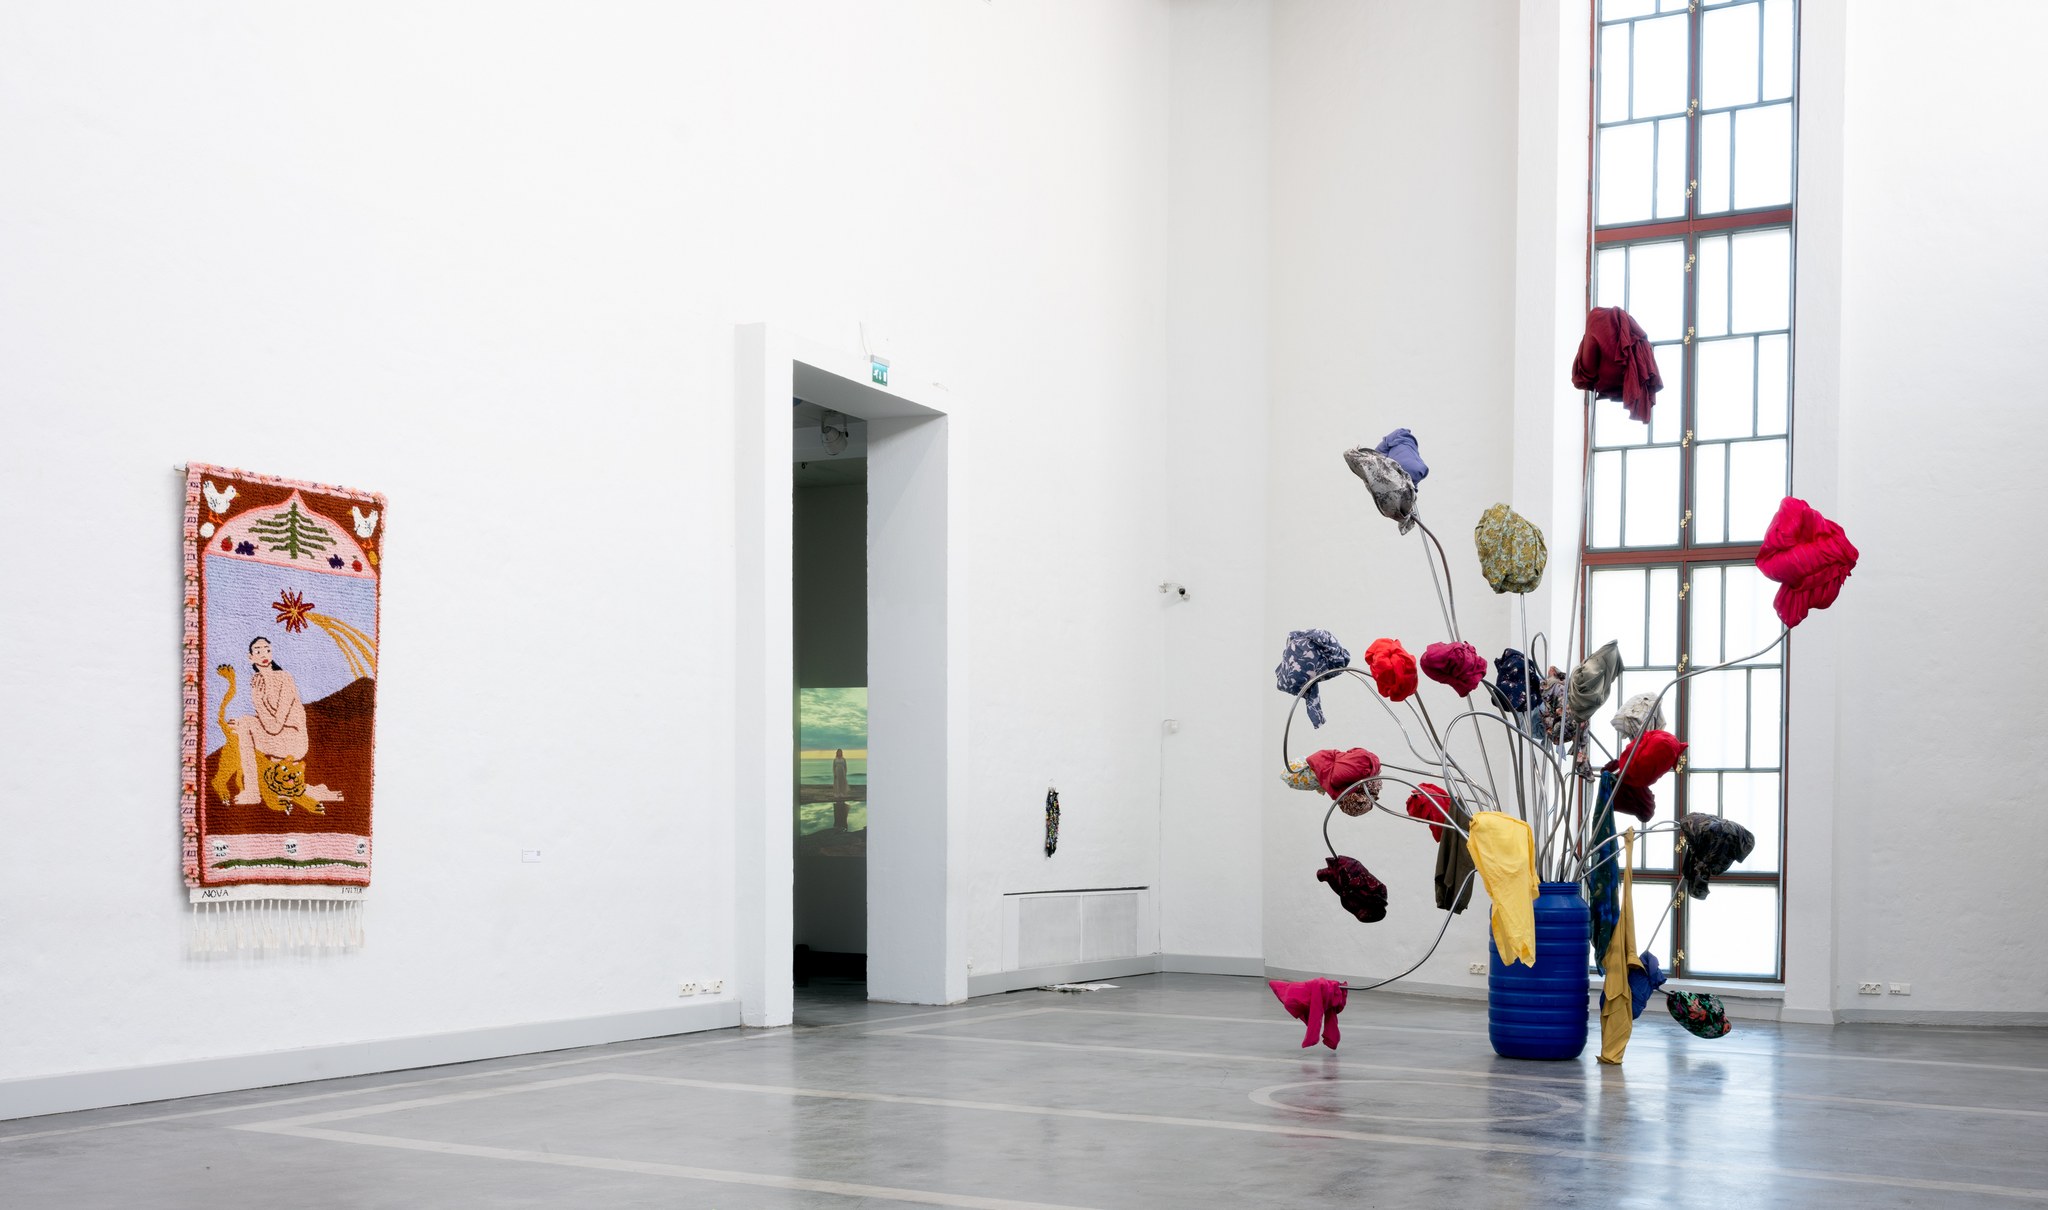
x,y
1059,928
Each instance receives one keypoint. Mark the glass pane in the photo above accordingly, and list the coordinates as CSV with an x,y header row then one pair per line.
x,y
1663,636
1777,49
1605,500
1614,73
1710,278
1734,931
1658,853
1612,426
1751,799
1756,485
1625,173
1726,393
1651,899
1710,493
1752,622
1614,10
1773,383
1615,610
1668,417
1729,56
1610,278
1651,498
1660,74
1715,721
1703,793
1706,599
1763,156
1656,290
1766,711
1717,151
1760,280
1671,168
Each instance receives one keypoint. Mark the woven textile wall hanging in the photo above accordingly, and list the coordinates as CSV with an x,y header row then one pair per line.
x,y
280,690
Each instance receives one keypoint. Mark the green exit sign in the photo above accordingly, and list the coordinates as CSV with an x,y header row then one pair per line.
x,y
878,371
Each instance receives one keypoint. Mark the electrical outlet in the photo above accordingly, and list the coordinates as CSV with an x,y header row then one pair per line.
x,y
1477,968
1870,989
686,989
1902,989
717,987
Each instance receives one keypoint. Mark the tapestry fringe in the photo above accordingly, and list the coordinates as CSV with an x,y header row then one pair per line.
x,y
219,926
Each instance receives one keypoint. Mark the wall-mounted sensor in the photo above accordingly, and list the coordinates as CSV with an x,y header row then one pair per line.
x,y
1177,590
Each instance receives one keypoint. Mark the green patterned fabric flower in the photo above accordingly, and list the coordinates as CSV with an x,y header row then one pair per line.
x,y
1511,550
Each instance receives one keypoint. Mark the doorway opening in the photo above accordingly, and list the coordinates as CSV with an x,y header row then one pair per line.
x,y
829,609
916,670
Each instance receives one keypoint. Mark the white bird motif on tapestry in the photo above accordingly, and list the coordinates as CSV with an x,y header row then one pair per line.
x,y
365,524
216,499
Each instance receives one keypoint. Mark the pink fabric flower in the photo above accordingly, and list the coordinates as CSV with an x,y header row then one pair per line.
x,y
1458,665
1808,556
1393,669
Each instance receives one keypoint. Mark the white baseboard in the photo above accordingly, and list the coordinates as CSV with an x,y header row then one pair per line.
x,y
995,983
1939,1016
1212,964
34,1095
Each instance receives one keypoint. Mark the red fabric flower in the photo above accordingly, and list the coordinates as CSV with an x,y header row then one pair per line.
x,y
1393,669
1808,555
1615,362
1648,759
1458,665
1338,771
1431,802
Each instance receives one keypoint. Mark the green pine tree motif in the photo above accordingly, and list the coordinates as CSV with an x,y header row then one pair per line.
x,y
293,533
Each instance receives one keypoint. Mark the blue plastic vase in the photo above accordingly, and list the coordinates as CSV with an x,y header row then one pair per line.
x,y
1540,1012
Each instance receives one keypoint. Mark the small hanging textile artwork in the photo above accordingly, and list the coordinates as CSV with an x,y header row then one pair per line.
x,y
282,585
1052,821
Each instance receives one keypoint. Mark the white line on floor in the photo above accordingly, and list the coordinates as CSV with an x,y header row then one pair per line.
x,y
1578,1082
1719,1167
724,1176
725,1037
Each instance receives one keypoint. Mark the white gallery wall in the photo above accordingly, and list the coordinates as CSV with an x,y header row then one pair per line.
x,y
1940,742
1393,228
489,262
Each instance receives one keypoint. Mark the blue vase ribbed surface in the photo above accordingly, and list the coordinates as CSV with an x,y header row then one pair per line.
x,y
1540,1012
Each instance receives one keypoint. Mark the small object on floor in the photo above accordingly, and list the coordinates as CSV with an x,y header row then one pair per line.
x,y
1701,1014
1078,987
1052,820
1315,1001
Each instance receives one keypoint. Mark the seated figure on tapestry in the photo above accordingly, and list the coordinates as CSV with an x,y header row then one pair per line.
x,y
266,748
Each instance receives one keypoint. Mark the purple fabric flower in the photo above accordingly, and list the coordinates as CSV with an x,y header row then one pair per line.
x,y
1400,446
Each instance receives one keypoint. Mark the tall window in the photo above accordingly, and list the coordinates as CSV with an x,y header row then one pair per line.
x,y
1693,223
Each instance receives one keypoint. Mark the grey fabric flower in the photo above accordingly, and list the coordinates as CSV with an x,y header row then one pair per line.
x,y
1390,486
1639,714
1593,680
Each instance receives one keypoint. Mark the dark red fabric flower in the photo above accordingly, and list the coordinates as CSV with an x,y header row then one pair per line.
x,y
1808,556
1648,759
1338,771
1627,799
1458,665
1361,894
1615,362
1393,669
1432,802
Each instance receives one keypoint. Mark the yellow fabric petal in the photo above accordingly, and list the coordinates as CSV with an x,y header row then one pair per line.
x,y
1617,1012
1504,849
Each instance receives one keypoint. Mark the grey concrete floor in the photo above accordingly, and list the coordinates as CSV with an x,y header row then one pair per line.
x,y
1170,1091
